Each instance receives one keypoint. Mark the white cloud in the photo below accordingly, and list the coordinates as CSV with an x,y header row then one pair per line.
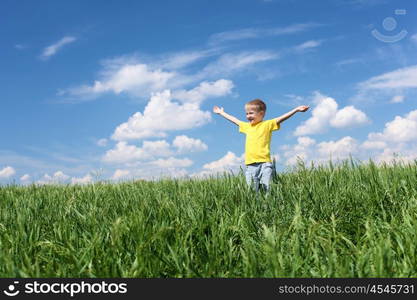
x,y
304,142
374,145
83,180
229,162
348,116
325,109
185,144
183,59
400,130
54,48
326,114
124,153
162,114
102,142
172,162
398,139
309,150
25,178
397,99
136,79
157,148
394,85
204,90
349,61
175,173
252,33
20,46
398,152
340,149
301,150
362,3
414,38
308,45
143,76
154,170
7,172
120,174
230,63
56,178
399,79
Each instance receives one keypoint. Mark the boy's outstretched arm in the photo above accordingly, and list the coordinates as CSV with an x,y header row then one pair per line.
x,y
289,114
220,111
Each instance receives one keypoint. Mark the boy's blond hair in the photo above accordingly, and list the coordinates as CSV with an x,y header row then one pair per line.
x,y
258,104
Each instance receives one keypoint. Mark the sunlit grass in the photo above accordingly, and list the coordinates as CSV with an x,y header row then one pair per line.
x,y
345,220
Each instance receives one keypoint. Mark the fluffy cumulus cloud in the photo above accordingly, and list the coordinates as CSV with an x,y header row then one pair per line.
x,y
57,178
398,139
136,79
184,144
303,150
324,110
399,130
163,114
204,90
397,152
7,172
82,180
172,162
121,174
142,77
339,149
139,76
326,114
373,144
25,178
170,168
308,149
228,163
124,153
347,117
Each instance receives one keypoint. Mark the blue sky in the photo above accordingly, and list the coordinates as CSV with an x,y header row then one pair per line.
x,y
115,90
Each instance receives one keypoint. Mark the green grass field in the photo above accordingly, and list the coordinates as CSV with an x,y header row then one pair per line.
x,y
349,220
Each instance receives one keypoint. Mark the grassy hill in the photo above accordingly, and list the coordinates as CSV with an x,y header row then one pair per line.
x,y
349,220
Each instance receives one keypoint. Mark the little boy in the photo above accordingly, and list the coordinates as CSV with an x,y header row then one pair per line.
x,y
258,140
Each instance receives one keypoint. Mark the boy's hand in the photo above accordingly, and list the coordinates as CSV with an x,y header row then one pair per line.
x,y
303,108
218,110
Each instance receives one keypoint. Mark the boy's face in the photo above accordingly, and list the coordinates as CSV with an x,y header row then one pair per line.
x,y
253,115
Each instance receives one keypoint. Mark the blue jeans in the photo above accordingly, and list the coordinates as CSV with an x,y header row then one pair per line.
x,y
258,175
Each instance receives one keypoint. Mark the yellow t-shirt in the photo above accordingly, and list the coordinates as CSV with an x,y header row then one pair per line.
x,y
258,140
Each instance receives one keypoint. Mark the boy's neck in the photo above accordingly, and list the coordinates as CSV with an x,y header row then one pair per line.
x,y
257,122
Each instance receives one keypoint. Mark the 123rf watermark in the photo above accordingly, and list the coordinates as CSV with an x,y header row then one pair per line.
x,y
61,288
390,25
